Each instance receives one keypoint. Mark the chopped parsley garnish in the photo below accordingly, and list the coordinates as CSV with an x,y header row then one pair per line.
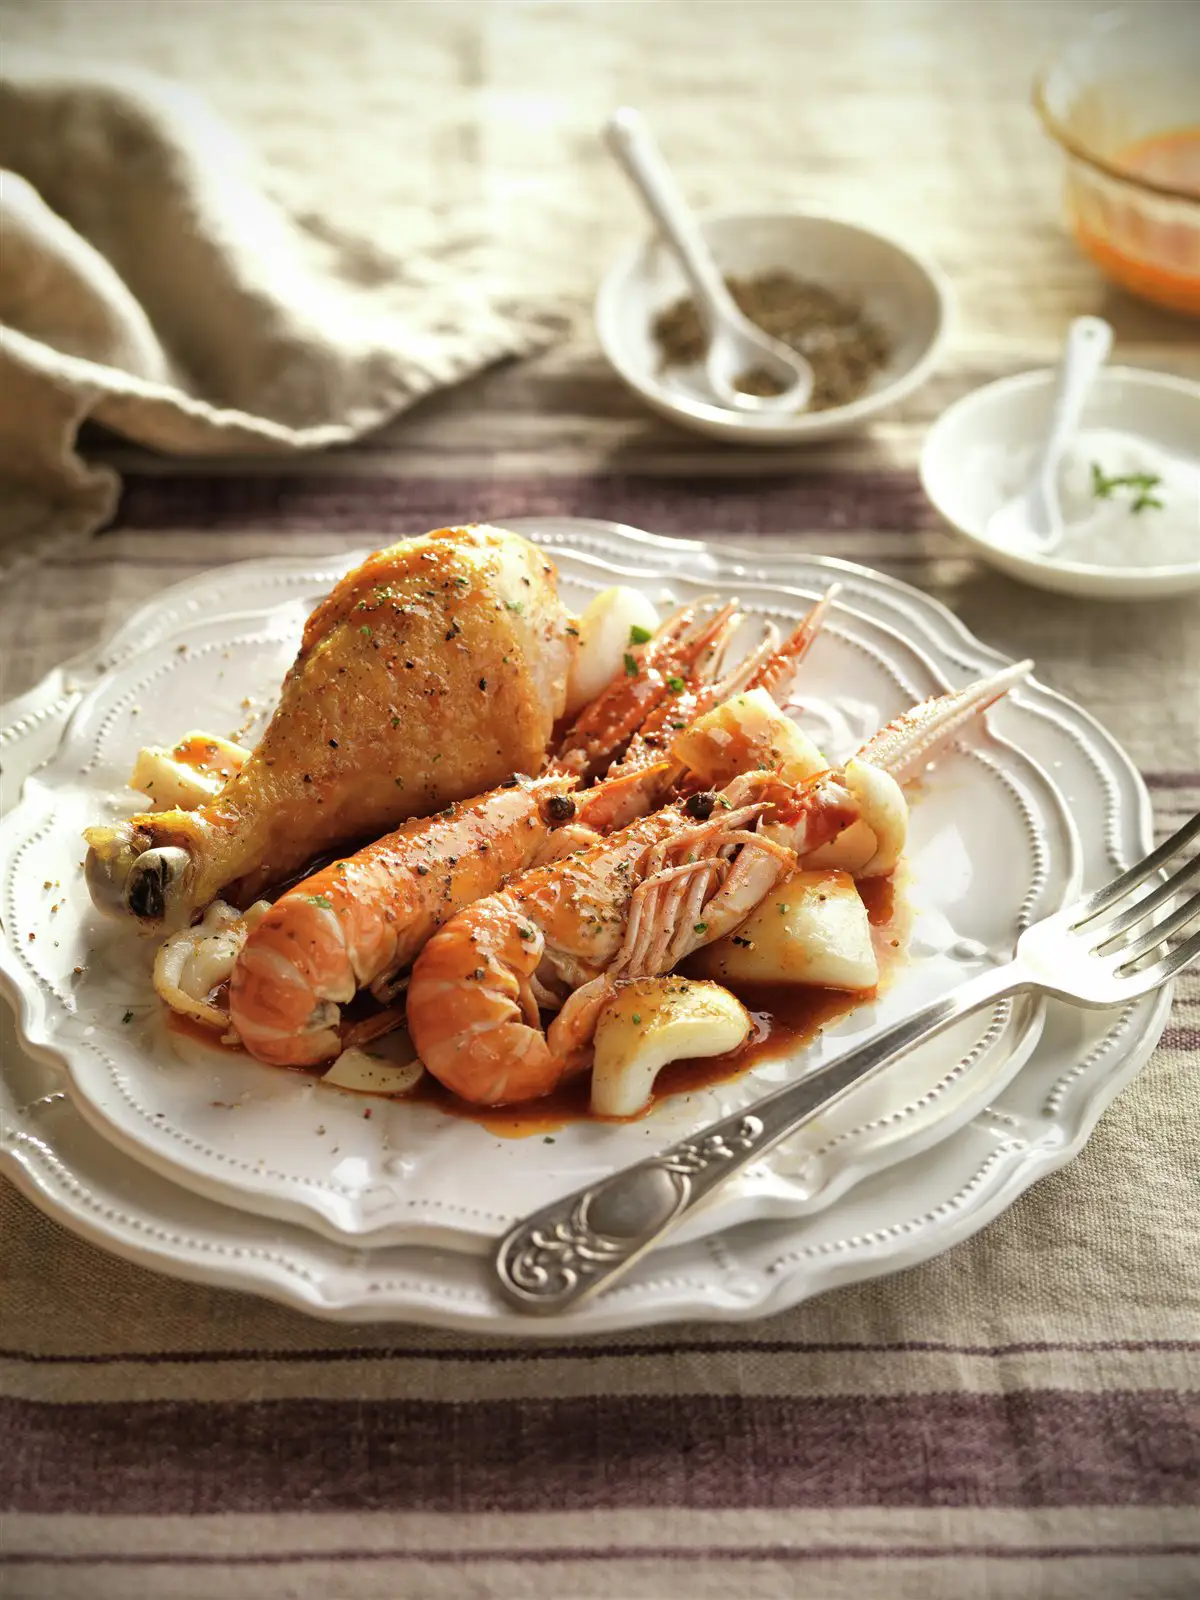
x,y
639,635
1142,483
321,900
699,927
365,630
515,605
631,666
676,684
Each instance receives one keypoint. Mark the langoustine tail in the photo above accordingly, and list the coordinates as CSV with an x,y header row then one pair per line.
x,y
472,1008
909,742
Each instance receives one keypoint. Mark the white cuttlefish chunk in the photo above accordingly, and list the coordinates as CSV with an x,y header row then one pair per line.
x,y
193,963
651,1021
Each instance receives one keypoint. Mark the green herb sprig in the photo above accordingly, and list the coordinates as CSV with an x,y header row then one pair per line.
x,y
1140,483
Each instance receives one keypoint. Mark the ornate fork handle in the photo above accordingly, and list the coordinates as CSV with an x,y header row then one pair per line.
x,y
574,1247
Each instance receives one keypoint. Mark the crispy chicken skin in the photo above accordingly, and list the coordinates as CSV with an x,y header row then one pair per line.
x,y
429,674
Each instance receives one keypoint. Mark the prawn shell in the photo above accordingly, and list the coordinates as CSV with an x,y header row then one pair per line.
x,y
471,1011
368,915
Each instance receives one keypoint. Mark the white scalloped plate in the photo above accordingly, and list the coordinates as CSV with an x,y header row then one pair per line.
x,y
991,848
890,1219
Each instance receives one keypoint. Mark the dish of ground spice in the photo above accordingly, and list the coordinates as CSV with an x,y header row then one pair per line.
x,y
844,346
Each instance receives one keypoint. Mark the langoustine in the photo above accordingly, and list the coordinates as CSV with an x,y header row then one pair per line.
x,y
563,938
770,669
480,984
361,921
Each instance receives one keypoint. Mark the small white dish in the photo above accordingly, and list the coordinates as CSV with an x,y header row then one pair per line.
x,y
905,292
1014,415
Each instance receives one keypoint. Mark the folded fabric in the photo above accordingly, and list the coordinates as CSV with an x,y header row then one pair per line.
x,y
148,283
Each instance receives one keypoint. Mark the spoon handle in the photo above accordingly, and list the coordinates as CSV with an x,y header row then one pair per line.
x,y
630,140
1089,341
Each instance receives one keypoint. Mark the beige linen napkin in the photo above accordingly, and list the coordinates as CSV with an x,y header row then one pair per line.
x,y
149,283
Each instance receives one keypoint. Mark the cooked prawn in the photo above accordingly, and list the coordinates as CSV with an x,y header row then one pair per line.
x,y
630,906
360,922
770,666
683,652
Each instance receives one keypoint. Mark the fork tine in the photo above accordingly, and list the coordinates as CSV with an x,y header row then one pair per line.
x,y
1166,969
1167,890
1093,904
1161,931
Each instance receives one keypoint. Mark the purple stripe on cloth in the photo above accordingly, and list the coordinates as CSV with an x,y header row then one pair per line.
x,y
1172,780
597,1352
1036,1448
1178,1037
823,501
735,1553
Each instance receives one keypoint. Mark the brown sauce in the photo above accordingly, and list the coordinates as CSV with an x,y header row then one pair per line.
x,y
189,1028
879,897
786,1018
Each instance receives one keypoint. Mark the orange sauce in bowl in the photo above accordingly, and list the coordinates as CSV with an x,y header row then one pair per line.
x,y
1171,158
1139,244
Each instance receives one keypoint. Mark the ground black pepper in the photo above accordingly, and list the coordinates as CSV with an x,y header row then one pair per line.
x,y
845,346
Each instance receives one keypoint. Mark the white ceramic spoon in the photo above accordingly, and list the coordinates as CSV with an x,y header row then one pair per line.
x,y
735,346
1034,519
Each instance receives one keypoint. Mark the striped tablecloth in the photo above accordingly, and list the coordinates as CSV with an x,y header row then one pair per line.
x,y
1017,1418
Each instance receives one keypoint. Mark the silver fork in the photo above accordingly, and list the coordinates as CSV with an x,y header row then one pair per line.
x,y
1094,953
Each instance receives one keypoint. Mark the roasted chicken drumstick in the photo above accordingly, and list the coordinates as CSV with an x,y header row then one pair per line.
x,y
428,675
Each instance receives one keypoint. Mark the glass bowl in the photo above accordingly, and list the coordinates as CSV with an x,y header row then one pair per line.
x,y
1122,100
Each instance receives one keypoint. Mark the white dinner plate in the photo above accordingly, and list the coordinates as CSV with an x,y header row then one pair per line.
x,y
991,848
1072,1071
